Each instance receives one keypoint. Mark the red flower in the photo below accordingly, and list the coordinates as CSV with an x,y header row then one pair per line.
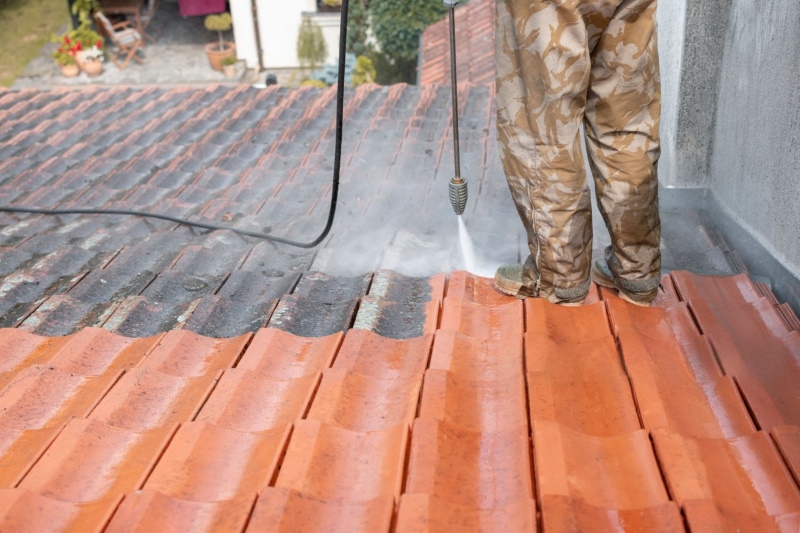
x,y
99,44
79,46
66,39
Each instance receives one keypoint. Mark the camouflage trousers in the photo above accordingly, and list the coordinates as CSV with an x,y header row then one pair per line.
x,y
561,63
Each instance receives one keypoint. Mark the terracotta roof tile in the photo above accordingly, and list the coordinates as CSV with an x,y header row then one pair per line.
x,y
91,461
287,510
475,30
46,397
145,511
618,472
275,354
560,513
422,512
483,321
17,513
334,464
192,467
740,475
186,354
367,353
580,384
110,409
703,515
480,470
359,403
485,404
146,399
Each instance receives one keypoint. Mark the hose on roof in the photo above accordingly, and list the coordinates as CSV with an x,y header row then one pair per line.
x,y
337,164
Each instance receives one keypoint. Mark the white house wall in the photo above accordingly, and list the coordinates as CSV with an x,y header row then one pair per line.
x,y
279,24
244,31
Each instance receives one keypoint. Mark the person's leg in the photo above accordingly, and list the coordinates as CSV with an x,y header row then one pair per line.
x,y
543,68
622,116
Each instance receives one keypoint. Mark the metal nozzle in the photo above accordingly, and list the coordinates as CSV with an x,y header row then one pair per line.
x,y
458,195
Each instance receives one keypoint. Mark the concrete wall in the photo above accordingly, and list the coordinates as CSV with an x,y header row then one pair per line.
x,y
244,32
754,168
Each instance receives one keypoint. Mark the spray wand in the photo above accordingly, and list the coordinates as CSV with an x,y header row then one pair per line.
x,y
458,185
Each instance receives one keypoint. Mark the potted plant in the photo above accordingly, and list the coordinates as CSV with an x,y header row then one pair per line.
x,y
65,59
229,66
88,45
217,51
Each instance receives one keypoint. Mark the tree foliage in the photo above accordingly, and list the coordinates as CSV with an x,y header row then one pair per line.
x,y
398,24
363,72
311,47
357,28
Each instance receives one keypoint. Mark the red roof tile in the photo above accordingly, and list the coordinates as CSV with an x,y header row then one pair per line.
x,y
637,419
475,31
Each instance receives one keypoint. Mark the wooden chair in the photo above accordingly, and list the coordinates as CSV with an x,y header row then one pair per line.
x,y
126,39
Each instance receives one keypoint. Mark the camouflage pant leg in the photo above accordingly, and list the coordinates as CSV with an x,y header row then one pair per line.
x,y
546,52
622,117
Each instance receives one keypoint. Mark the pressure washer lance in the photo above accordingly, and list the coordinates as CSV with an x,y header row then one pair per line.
x,y
458,185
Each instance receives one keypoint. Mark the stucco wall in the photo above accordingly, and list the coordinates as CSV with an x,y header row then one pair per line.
x,y
754,168
671,23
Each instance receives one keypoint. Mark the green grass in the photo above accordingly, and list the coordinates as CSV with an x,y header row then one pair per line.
x,y
25,27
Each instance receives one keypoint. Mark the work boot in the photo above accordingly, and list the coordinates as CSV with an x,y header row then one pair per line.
x,y
603,276
509,280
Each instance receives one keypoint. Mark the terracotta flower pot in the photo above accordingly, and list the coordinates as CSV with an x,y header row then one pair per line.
x,y
215,55
70,71
92,68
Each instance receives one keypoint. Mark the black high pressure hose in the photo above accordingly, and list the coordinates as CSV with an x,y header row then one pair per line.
x,y
337,163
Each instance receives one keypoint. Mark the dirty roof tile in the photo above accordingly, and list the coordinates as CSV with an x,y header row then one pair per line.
x,y
23,510
43,396
333,464
483,405
208,463
287,510
221,317
369,354
243,401
482,470
423,512
560,513
581,385
397,320
482,321
741,475
187,354
145,511
91,461
62,315
395,287
617,472
276,354
703,515
145,399
359,403
320,287
137,316
309,318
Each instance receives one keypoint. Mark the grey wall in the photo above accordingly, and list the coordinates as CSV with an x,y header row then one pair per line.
x,y
671,24
754,166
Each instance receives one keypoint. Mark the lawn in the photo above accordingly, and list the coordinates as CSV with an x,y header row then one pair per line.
x,y
26,26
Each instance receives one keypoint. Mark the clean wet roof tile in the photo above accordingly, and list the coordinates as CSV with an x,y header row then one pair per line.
x,y
597,416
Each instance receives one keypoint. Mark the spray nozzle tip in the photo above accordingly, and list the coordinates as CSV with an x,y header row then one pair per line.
x,y
458,194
